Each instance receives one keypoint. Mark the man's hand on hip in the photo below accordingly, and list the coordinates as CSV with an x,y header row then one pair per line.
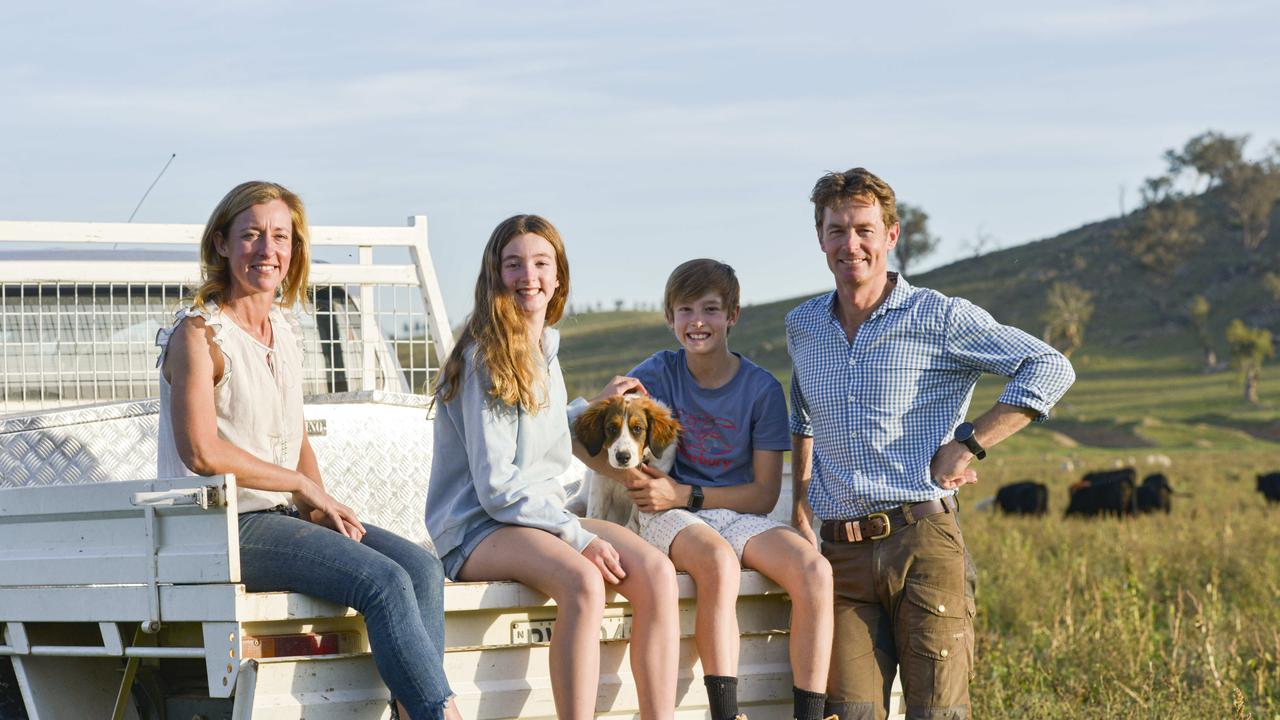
x,y
950,467
802,521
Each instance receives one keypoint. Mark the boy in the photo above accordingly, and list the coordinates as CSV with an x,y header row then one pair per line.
x,y
711,516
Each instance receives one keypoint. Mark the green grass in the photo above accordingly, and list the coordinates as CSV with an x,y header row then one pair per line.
x,y
586,323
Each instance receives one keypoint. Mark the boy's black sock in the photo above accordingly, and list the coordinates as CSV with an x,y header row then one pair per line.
x,y
722,693
808,705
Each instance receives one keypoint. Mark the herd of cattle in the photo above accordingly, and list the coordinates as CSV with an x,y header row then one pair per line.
x,y
1109,492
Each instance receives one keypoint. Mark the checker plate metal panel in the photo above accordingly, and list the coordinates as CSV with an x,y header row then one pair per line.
x,y
375,453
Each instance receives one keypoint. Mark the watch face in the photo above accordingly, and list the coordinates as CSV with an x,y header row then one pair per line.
x,y
964,436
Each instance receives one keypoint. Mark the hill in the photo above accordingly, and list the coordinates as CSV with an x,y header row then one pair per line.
x,y
1133,306
1141,382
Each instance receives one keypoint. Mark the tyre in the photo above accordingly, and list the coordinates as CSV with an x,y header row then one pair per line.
x,y
148,695
11,706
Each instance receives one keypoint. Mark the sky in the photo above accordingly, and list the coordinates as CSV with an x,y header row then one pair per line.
x,y
649,133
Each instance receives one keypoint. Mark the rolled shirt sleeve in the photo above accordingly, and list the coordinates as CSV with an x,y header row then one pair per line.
x,y
799,423
1039,374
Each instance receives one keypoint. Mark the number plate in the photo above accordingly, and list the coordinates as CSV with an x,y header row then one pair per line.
x,y
538,632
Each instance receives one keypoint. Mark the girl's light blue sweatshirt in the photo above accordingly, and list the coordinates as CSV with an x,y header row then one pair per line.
x,y
501,462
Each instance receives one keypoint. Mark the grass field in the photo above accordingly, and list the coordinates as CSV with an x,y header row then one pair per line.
x,y
1173,616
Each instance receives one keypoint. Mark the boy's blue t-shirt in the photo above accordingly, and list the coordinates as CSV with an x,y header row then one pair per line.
x,y
720,427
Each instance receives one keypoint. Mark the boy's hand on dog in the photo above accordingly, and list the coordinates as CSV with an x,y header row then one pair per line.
x,y
655,491
620,385
605,557
632,478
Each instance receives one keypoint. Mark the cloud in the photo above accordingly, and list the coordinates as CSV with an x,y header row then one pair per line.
x,y
1110,20
362,101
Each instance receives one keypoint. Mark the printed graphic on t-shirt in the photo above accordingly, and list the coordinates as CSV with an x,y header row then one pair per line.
x,y
702,440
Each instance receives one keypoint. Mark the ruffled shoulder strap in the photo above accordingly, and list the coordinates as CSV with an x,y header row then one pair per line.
x,y
294,324
213,318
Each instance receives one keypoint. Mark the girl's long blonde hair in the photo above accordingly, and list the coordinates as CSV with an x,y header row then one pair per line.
x,y
215,272
497,328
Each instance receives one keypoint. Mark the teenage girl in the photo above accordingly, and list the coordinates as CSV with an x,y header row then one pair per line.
x,y
495,507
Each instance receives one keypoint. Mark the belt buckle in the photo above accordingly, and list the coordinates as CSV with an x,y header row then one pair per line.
x,y
887,526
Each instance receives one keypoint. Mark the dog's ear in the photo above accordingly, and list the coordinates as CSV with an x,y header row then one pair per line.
x,y
663,428
589,428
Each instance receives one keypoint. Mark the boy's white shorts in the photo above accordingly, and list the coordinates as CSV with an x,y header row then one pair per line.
x,y
660,529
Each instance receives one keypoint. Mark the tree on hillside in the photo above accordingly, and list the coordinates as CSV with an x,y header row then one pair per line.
x,y
1067,311
1249,348
1163,234
915,240
1198,311
1253,188
1210,155
982,242
1271,281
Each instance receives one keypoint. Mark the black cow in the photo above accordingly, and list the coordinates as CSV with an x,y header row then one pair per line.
x,y
1155,494
1269,486
1110,492
1023,498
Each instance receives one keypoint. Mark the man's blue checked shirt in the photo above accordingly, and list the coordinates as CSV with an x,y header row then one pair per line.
x,y
878,408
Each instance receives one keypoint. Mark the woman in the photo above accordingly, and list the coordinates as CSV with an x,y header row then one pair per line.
x,y
496,508
231,402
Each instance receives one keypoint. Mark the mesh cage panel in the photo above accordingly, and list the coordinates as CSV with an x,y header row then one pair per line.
x,y
67,344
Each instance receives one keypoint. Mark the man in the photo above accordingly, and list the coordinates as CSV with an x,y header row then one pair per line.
x,y
883,373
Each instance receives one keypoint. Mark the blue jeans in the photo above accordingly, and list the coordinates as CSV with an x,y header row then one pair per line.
x,y
395,584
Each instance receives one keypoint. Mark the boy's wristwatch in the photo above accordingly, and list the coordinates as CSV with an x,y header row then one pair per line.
x,y
964,436
695,498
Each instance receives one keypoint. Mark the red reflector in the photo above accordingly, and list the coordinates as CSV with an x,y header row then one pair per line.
x,y
297,644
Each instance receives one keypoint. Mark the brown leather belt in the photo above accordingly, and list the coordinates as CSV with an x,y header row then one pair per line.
x,y
882,524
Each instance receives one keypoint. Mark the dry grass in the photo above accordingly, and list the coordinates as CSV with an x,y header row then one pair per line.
x,y
1156,617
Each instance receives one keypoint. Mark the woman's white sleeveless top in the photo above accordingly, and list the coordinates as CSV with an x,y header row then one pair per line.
x,y
258,400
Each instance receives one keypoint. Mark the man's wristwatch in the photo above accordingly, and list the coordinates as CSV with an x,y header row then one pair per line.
x,y
964,436
695,498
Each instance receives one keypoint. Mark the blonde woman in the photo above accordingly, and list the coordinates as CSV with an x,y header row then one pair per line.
x,y
495,508
231,402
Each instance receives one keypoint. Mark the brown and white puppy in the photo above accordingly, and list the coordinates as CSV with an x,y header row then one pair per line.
x,y
630,430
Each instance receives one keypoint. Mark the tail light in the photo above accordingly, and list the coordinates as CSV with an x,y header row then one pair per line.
x,y
299,644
